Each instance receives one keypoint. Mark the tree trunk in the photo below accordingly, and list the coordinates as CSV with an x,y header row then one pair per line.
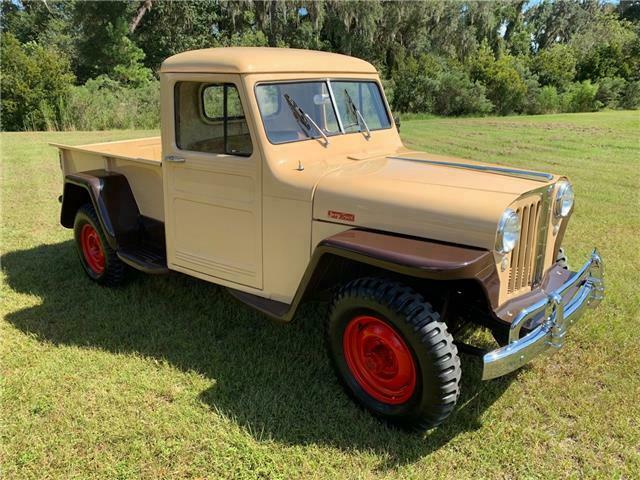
x,y
144,8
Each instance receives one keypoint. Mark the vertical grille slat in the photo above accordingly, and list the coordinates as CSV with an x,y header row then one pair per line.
x,y
534,220
513,271
522,260
522,254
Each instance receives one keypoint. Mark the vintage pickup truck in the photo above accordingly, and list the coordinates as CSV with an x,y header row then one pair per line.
x,y
280,175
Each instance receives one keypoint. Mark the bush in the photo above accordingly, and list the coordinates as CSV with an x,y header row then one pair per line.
x,y
581,97
103,104
432,85
547,101
610,91
35,82
631,96
555,65
506,87
456,94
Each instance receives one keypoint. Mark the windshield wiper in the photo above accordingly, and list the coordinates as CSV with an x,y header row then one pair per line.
x,y
303,118
356,112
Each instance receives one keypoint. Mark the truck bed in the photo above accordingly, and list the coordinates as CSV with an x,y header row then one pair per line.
x,y
143,150
140,160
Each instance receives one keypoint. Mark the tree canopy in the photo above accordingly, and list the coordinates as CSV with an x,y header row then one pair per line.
x,y
445,57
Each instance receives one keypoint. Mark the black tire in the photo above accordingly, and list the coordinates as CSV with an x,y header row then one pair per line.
x,y
562,259
113,272
437,365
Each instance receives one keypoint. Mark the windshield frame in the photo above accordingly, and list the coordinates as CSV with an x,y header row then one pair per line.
x,y
327,80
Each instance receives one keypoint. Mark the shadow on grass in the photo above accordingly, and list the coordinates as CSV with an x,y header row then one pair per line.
x,y
273,380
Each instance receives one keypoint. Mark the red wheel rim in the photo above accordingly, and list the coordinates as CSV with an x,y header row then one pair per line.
x,y
379,359
92,248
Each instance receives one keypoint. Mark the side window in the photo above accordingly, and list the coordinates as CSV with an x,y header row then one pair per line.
x,y
210,119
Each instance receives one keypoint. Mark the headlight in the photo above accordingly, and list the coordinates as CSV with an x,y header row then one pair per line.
x,y
564,199
508,231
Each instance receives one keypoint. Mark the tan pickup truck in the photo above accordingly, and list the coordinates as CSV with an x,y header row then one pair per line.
x,y
280,175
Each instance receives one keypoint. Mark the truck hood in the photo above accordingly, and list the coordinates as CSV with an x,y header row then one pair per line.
x,y
423,195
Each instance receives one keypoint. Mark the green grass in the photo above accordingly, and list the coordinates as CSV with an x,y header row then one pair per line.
x,y
169,377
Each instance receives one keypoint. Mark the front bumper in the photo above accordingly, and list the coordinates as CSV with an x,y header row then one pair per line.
x,y
553,315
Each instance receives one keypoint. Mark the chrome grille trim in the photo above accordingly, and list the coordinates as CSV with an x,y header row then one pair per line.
x,y
542,235
526,261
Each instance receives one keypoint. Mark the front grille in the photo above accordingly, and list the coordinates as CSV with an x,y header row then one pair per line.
x,y
525,256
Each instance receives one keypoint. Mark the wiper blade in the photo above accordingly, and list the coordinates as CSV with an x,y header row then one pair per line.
x,y
303,118
356,112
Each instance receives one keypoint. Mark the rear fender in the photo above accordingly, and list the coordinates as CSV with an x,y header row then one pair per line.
x,y
112,199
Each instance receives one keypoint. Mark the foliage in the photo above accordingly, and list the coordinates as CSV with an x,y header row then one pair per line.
x,y
506,86
430,84
610,91
35,81
103,104
631,96
490,57
174,27
607,47
555,66
547,100
581,97
104,46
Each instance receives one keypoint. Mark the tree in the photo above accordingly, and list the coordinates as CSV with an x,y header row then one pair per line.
x,y
174,27
506,87
555,65
103,44
607,47
34,81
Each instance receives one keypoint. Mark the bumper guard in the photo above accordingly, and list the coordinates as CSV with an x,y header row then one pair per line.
x,y
558,314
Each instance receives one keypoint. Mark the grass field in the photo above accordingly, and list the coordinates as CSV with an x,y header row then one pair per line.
x,y
169,377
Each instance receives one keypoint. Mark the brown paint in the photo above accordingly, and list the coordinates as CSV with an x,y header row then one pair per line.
x,y
405,255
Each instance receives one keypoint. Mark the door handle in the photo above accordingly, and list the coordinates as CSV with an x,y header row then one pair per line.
x,y
174,159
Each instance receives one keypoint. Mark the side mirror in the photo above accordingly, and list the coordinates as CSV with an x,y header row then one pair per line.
x,y
396,120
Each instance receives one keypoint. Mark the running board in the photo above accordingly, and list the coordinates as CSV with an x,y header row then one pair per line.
x,y
147,260
272,308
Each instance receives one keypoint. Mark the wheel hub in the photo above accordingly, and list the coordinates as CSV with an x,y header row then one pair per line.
x,y
379,359
92,249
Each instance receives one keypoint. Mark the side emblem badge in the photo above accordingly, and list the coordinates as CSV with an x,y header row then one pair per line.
x,y
345,217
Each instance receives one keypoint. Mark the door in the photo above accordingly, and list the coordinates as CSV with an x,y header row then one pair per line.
x,y
212,180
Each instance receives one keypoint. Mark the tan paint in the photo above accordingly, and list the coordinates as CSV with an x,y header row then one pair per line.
x,y
252,223
138,160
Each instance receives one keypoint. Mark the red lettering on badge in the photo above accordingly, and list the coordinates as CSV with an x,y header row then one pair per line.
x,y
345,217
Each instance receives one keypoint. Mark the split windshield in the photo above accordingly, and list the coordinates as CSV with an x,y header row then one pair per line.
x,y
320,109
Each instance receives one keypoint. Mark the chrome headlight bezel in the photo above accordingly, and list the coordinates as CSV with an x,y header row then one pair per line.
x,y
508,233
564,199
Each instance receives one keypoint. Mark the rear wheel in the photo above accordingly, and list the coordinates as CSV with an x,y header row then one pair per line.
x,y
98,259
392,353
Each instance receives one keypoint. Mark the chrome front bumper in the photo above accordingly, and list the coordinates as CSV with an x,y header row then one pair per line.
x,y
553,316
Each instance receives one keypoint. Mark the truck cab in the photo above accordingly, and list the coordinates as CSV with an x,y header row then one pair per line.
x,y
280,174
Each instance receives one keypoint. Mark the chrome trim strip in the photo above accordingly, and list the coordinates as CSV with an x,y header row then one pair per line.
x,y
335,105
543,236
511,172
559,315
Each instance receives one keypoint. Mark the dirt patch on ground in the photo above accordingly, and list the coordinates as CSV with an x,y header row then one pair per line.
x,y
547,126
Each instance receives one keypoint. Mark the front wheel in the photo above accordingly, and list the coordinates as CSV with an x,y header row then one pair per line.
x,y
392,353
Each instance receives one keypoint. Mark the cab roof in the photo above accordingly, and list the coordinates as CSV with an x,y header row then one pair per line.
x,y
263,60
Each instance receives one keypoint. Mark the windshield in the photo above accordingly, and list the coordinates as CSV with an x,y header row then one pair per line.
x,y
284,107
359,106
366,98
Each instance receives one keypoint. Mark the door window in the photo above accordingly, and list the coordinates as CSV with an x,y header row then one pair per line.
x,y
210,119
